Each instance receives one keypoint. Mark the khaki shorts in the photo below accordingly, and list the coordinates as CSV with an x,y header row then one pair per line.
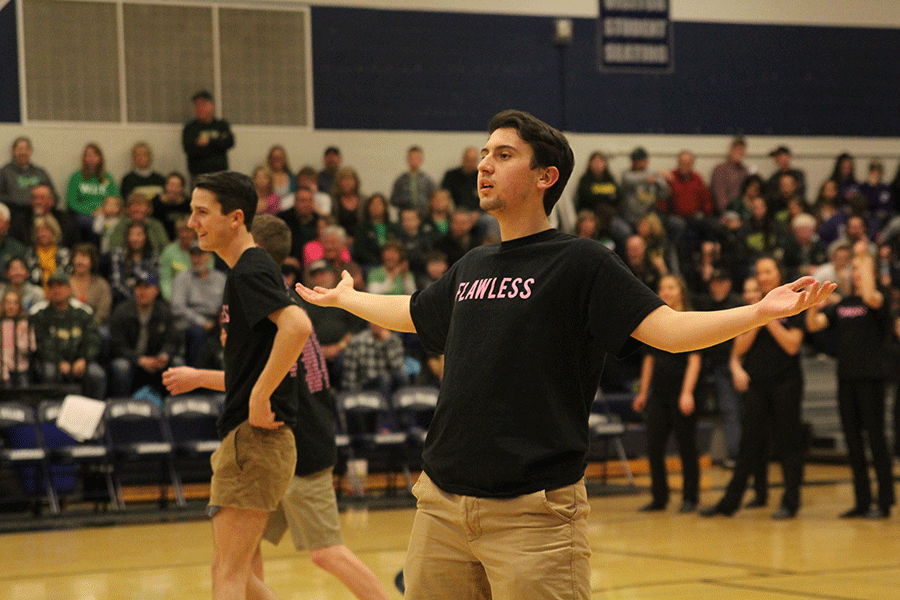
x,y
309,509
252,468
533,546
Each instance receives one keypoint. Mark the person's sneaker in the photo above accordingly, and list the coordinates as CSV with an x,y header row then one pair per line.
x,y
687,506
715,510
756,502
878,512
653,507
857,512
783,513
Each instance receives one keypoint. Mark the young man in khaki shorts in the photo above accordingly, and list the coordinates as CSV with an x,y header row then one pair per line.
x,y
309,508
266,332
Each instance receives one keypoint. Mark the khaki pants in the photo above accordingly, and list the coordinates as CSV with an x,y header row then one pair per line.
x,y
532,547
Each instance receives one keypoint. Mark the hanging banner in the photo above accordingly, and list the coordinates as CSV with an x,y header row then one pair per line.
x,y
634,36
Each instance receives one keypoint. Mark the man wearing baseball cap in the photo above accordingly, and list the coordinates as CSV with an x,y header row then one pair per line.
x,y
144,339
67,340
206,139
782,157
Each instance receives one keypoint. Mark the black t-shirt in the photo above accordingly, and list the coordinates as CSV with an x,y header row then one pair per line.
x,y
253,291
524,326
720,353
862,332
314,431
332,324
213,156
168,214
668,373
766,360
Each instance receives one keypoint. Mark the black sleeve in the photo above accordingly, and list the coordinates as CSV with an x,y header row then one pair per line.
x,y
260,289
431,310
618,303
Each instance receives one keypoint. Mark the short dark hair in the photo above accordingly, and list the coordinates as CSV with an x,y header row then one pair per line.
x,y
233,190
272,235
550,148
201,95
396,245
307,171
180,177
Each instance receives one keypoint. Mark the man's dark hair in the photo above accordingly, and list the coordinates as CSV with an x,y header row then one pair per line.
x,y
179,176
233,191
307,171
202,95
272,235
550,148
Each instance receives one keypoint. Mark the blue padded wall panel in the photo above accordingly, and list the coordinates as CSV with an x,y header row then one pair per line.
x,y
446,71
429,71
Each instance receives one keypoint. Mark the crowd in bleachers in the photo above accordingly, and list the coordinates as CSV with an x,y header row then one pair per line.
x,y
104,285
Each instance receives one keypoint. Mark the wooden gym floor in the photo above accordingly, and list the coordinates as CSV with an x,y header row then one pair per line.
x,y
635,555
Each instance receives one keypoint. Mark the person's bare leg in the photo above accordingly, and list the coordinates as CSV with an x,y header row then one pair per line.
x,y
236,537
340,561
257,566
256,589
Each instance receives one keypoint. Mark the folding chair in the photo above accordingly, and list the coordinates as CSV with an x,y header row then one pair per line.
x,y
607,428
23,448
192,421
415,406
138,434
66,455
369,421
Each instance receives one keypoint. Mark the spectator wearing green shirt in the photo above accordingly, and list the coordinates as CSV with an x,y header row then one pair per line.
x,y
87,188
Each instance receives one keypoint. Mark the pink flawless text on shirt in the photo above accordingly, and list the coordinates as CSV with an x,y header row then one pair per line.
x,y
495,288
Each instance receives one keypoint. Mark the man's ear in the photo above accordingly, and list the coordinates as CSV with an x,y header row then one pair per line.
x,y
237,216
548,177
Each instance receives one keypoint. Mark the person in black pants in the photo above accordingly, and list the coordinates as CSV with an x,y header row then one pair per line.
x,y
671,379
766,367
760,471
862,322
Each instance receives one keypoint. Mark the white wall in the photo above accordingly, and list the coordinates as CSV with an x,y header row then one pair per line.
x,y
379,156
860,13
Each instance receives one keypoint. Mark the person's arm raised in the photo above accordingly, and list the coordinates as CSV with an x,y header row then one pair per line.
x,y
391,312
675,331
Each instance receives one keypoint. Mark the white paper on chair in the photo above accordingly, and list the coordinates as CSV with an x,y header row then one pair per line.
x,y
79,416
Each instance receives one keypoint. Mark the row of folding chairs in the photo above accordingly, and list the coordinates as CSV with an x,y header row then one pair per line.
x,y
387,431
136,440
